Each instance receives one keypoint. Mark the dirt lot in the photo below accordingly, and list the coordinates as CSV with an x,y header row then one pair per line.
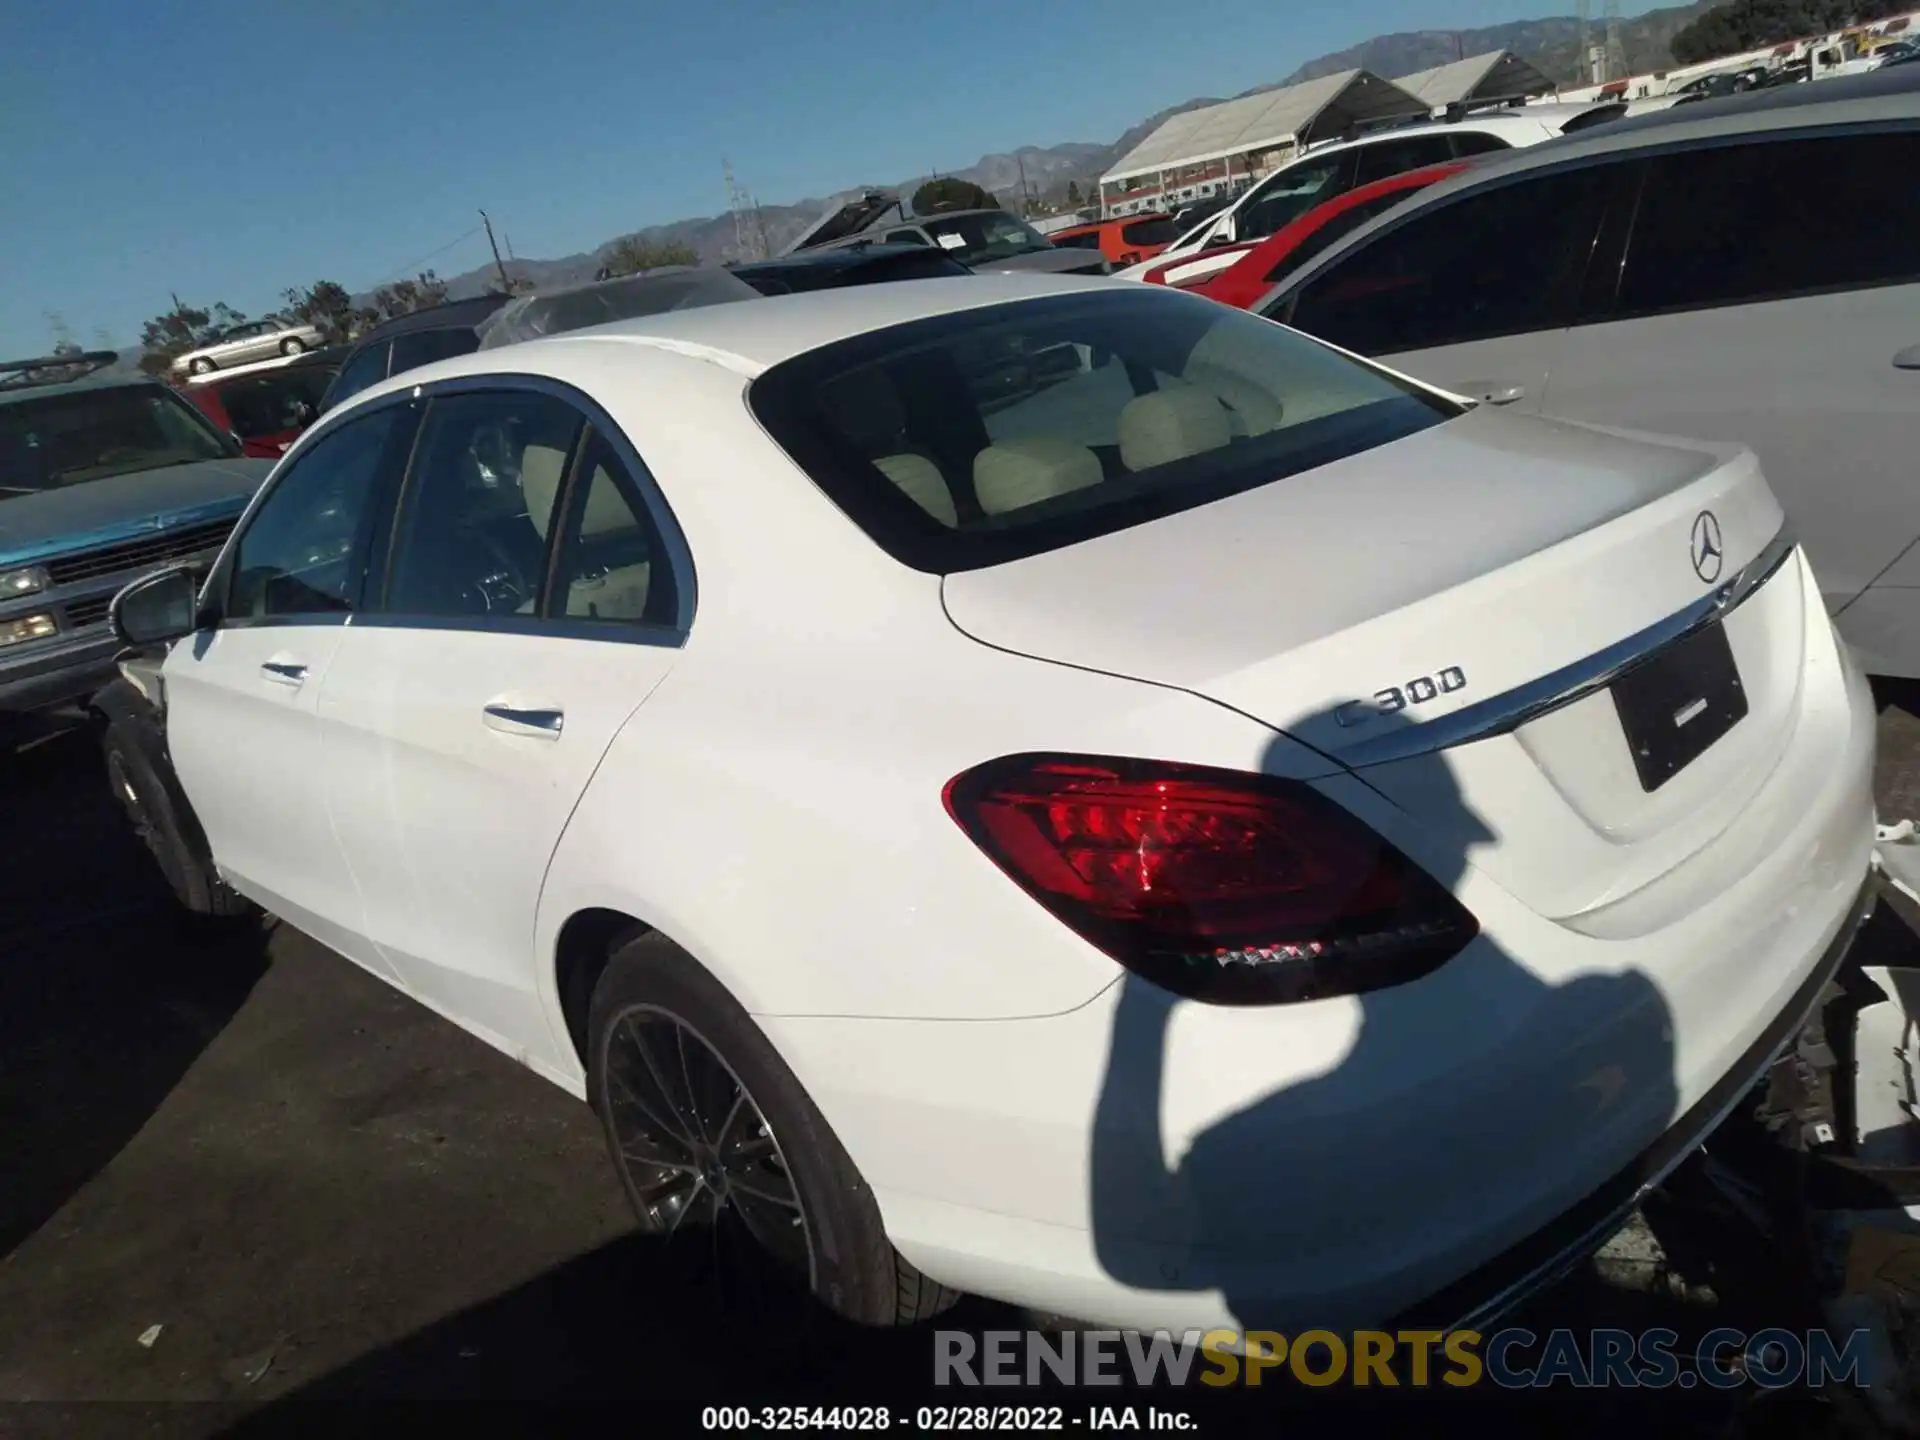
x,y
318,1191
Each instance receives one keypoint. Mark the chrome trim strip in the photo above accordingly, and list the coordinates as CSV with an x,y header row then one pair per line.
x,y
617,632
1508,711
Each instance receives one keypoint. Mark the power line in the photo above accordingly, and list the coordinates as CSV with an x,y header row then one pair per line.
x,y
414,267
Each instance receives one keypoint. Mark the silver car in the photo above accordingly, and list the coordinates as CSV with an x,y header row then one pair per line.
x,y
1743,269
244,344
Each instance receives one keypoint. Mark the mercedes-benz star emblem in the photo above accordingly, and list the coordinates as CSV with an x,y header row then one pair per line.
x,y
1705,548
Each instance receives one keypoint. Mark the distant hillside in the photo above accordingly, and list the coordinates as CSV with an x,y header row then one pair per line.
x,y
1551,44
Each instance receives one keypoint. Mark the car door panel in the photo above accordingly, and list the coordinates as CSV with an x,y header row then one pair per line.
x,y
458,726
242,738
1807,383
242,694
449,816
1768,288
1473,295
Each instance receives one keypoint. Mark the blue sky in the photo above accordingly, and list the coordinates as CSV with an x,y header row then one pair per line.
x,y
227,149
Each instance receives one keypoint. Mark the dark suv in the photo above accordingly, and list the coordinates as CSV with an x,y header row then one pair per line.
x,y
102,479
405,343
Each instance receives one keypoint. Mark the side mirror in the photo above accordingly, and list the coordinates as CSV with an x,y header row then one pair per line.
x,y
156,609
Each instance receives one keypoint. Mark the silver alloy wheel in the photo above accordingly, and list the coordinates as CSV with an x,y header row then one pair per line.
x,y
291,347
201,366
697,1153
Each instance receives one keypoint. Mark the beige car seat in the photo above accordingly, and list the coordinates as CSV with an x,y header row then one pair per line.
x,y
618,594
865,408
1015,473
1171,424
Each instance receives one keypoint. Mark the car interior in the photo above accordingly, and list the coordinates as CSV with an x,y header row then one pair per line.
x,y
1051,415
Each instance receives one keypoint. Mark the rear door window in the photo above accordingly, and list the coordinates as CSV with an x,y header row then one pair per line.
x,y
366,369
1395,157
1158,231
423,347
1292,193
987,434
1737,224
1476,142
1504,260
1337,228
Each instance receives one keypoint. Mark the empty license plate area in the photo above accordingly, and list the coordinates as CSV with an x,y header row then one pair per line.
x,y
1674,706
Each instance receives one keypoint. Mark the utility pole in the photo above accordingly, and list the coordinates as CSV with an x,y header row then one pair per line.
x,y
1026,196
505,284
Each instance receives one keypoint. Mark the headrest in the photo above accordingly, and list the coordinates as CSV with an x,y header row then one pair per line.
x,y
865,408
541,469
1168,425
607,510
921,482
1021,472
1258,410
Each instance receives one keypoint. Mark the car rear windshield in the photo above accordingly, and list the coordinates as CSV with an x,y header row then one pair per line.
x,y
988,435
61,440
976,237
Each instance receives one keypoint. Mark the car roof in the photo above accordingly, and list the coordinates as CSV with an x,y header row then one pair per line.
x,y
827,258
1877,95
99,378
751,336
1847,100
452,315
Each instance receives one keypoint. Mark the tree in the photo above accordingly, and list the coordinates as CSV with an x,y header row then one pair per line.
x,y
327,307
948,193
1753,24
403,297
633,254
1073,195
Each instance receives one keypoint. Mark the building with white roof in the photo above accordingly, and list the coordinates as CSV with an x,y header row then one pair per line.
x,y
1220,147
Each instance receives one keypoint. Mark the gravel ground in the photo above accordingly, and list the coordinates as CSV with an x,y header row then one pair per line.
x,y
317,1191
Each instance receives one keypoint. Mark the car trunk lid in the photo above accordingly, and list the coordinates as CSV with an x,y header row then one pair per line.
x,y
1401,600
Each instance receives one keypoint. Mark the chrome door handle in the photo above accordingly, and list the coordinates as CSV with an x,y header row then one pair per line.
x,y
512,720
283,672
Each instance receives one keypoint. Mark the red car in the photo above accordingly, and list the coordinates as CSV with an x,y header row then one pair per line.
x,y
1261,263
265,407
1126,241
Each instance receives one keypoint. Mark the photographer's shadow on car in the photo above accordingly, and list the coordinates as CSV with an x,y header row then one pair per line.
x,y
1398,1095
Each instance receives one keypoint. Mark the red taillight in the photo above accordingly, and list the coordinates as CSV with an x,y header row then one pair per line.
x,y
1225,887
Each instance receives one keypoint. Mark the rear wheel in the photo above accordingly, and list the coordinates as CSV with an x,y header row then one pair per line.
x,y
724,1156
142,781
291,347
200,366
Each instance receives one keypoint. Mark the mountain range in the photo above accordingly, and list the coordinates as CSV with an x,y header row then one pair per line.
x,y
1551,44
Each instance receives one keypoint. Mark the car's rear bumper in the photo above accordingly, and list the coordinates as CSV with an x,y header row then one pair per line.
x,y
44,678
1147,1163
1482,1297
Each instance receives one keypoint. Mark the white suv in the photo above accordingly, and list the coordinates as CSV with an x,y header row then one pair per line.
x,y
1333,169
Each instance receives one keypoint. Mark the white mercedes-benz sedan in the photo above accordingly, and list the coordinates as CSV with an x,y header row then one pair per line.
x,y
1038,787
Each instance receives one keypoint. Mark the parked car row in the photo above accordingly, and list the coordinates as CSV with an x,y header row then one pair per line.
x,y
1151,781
1737,270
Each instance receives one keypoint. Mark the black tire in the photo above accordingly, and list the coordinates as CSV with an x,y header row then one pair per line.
x,y
854,1272
291,347
202,366
142,780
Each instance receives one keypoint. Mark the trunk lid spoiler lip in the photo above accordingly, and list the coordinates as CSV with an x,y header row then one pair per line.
x,y
1508,711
